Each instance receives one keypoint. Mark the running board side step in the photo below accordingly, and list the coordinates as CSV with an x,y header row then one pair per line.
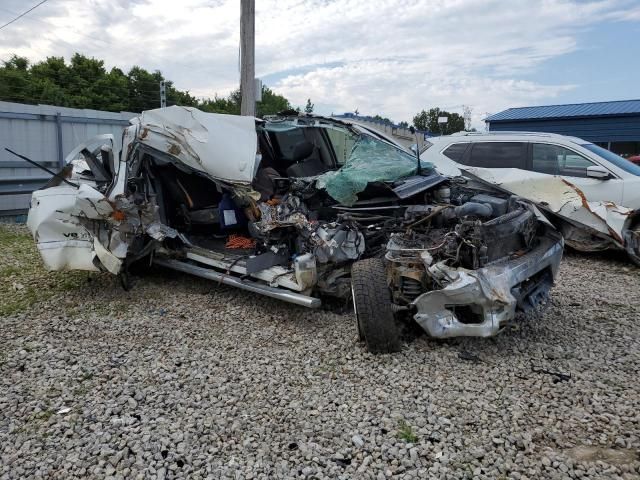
x,y
210,274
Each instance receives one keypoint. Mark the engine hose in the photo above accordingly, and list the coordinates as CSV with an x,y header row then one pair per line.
x,y
507,217
435,212
474,208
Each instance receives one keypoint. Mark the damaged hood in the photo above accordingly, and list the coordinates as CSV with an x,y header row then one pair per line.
x,y
223,146
559,196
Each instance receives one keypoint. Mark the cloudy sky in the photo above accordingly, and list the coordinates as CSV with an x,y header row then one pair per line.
x,y
381,57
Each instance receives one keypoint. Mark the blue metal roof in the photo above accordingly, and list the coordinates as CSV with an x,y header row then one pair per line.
x,y
621,107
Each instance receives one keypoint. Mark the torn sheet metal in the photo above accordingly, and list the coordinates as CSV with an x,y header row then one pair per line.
x,y
329,242
416,184
64,222
560,196
336,244
94,142
489,292
159,231
92,204
290,213
63,242
223,146
108,260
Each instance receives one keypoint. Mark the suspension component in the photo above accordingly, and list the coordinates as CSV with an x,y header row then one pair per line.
x,y
410,288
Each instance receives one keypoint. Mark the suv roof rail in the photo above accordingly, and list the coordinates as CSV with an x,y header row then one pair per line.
x,y
513,133
505,132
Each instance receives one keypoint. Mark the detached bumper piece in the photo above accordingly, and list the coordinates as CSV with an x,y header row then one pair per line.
x,y
479,302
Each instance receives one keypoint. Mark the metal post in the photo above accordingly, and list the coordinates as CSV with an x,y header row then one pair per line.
x,y
247,57
59,136
163,95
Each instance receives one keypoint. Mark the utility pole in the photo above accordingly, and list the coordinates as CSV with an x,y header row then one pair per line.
x,y
247,57
163,95
467,113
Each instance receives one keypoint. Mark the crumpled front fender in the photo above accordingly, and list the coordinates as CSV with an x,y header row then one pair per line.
x,y
58,220
436,309
561,197
487,294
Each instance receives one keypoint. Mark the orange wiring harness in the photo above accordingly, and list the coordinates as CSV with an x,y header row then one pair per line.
x,y
239,241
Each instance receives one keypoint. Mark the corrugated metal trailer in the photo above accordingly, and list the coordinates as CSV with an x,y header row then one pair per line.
x,y
46,134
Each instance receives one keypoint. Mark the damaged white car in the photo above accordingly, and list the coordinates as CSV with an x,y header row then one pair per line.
x,y
590,194
300,208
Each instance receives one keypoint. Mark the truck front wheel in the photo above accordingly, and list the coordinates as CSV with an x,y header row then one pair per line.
x,y
372,306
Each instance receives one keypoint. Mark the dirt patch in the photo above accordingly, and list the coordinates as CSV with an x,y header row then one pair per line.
x,y
587,453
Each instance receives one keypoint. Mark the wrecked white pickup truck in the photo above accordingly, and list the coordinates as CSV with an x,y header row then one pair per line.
x,y
300,208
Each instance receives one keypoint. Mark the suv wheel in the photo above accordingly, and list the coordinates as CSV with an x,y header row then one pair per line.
x,y
372,306
634,255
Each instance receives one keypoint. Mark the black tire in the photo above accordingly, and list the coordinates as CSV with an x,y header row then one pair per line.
x,y
635,255
372,307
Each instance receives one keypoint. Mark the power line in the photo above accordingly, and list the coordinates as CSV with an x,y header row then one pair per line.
x,y
22,14
52,27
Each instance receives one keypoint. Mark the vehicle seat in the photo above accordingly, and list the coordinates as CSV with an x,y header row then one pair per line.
x,y
305,164
268,160
264,183
190,199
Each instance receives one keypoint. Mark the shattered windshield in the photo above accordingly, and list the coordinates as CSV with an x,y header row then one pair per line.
x,y
342,141
370,160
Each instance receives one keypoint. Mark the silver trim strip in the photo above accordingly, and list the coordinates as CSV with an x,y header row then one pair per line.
x,y
210,274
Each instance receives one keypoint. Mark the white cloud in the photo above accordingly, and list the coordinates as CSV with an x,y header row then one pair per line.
x,y
392,58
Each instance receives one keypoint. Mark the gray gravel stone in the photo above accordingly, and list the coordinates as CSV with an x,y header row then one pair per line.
x,y
182,378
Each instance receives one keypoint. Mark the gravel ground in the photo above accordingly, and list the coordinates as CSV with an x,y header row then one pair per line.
x,y
180,378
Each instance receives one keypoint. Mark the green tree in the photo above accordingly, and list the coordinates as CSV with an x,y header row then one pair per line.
x,y
309,106
144,89
14,80
84,82
272,103
178,97
428,120
220,105
115,91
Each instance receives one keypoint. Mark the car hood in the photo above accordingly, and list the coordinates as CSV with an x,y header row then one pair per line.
x,y
559,196
223,146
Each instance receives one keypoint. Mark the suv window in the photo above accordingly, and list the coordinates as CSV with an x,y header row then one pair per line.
x,y
617,160
455,151
557,160
497,155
